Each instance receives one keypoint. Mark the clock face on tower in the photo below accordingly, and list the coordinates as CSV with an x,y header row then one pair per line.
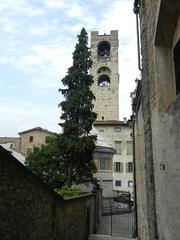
x,y
105,75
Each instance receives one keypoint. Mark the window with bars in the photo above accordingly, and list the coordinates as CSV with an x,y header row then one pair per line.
x,y
118,183
129,167
176,54
118,146
118,167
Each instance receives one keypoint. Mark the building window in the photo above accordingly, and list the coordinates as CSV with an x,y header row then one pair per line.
x,y
31,139
118,183
118,167
104,159
103,80
101,130
29,151
177,66
104,49
129,167
129,148
118,145
117,129
130,184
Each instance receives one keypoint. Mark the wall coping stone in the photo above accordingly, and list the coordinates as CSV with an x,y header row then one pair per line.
x,y
84,195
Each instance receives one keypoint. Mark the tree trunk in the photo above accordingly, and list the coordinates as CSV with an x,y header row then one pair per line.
x,y
69,175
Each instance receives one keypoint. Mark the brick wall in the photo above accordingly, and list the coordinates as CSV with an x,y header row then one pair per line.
x,y
29,210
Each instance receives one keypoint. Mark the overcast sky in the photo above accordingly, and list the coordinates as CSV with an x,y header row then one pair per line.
x,y
37,38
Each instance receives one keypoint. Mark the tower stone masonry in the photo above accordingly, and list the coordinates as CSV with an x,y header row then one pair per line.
x,y
104,51
114,175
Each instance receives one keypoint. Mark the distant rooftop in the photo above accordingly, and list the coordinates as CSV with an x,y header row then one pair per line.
x,y
36,129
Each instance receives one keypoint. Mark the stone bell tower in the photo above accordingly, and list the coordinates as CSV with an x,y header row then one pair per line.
x,y
104,52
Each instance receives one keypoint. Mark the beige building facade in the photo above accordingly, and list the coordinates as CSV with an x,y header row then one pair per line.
x,y
34,137
119,135
28,139
104,51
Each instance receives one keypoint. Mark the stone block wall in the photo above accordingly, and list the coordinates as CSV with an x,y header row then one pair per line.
x,y
106,104
30,210
39,138
14,140
160,109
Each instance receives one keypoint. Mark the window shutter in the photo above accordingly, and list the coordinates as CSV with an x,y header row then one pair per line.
x,y
121,167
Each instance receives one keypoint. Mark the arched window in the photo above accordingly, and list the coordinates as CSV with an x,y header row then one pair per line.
x,y
103,80
104,70
104,49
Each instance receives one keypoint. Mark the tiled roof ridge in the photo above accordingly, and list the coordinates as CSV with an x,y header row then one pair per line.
x,y
36,128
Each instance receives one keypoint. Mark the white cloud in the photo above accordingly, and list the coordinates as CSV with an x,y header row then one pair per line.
x,y
27,115
22,7
55,4
75,10
8,25
38,40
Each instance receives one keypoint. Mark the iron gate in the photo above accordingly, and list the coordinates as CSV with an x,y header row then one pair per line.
x,y
118,218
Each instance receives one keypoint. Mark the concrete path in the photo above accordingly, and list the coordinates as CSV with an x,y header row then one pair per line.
x,y
106,237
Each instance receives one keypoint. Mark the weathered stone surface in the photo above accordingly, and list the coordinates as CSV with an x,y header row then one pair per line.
x,y
107,97
159,114
29,210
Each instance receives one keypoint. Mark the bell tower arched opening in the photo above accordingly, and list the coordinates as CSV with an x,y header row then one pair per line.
x,y
103,80
103,49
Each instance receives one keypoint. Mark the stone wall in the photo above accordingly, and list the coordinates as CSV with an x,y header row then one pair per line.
x,y
160,111
139,163
29,210
14,140
39,138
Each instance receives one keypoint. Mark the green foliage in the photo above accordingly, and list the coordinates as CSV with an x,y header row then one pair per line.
x,y
68,157
77,107
46,163
68,191
76,145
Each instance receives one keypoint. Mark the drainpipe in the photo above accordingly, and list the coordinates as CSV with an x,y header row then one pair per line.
x,y
136,11
134,163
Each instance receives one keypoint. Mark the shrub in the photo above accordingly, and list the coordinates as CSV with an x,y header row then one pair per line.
x,y
68,191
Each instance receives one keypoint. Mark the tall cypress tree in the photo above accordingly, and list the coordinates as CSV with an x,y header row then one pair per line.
x,y
76,143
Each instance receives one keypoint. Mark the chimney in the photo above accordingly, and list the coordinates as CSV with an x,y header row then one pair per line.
x,y
125,120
